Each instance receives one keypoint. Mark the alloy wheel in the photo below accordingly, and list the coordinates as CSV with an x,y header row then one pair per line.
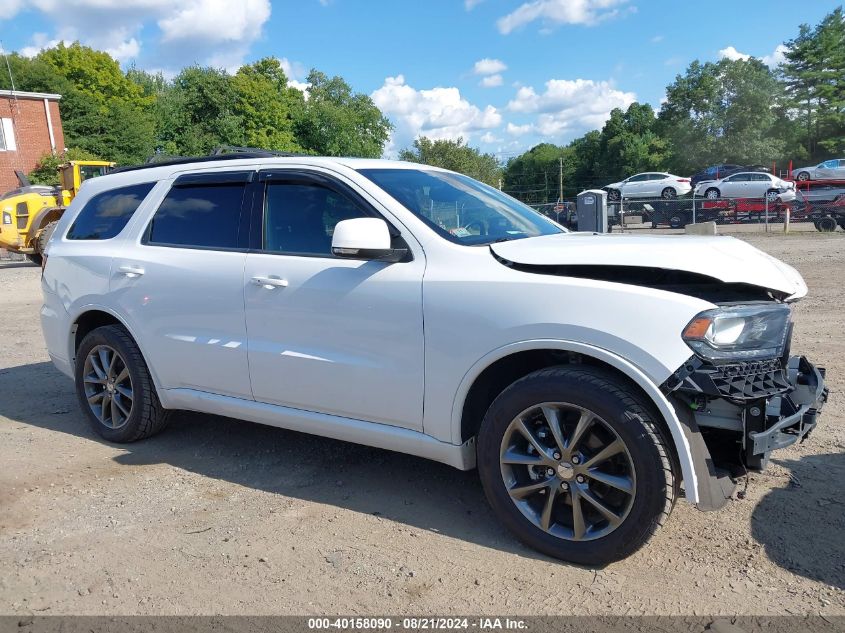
x,y
108,386
567,471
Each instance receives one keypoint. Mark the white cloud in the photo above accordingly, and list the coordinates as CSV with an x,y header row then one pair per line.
x,y
519,130
569,107
216,32
555,12
656,39
489,66
731,53
469,5
10,8
489,137
438,113
295,72
776,57
491,81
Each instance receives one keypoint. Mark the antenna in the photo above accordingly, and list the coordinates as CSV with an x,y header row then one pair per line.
x,y
11,78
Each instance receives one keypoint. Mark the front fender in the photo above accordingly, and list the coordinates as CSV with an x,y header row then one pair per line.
x,y
679,437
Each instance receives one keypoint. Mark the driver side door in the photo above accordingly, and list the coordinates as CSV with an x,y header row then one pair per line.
x,y
326,334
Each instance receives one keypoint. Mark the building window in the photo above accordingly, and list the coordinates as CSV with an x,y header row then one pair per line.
x,y
7,135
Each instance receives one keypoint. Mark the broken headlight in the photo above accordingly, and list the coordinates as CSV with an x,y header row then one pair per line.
x,y
745,332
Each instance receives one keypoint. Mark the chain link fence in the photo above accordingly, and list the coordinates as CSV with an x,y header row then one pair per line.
x,y
825,212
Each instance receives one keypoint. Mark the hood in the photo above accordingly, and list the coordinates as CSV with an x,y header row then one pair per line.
x,y
722,258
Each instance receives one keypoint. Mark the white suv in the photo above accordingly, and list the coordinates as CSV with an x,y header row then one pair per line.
x,y
415,309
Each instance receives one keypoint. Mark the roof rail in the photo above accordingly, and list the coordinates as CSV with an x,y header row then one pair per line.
x,y
223,152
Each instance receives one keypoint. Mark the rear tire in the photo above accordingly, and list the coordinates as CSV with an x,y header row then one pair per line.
x,y
114,387
34,258
668,193
614,417
826,224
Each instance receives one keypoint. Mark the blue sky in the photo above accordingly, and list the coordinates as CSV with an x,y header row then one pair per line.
x,y
504,74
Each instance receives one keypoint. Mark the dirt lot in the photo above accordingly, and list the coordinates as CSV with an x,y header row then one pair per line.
x,y
218,516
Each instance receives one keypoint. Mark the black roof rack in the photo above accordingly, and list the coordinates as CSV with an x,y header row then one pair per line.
x,y
224,152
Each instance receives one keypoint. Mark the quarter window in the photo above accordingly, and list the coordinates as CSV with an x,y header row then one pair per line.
x,y
105,215
300,218
199,216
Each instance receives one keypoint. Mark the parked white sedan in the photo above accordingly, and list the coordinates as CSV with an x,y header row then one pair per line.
x,y
747,185
650,185
833,169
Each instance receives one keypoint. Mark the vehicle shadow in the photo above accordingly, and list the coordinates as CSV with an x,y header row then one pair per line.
x,y
802,526
402,488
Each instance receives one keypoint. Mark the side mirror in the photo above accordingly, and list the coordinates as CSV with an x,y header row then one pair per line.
x,y
365,238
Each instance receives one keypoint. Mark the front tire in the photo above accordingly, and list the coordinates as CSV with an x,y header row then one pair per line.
x,y
573,462
712,194
114,387
614,195
802,176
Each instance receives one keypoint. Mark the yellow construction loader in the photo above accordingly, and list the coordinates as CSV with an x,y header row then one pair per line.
x,y
29,214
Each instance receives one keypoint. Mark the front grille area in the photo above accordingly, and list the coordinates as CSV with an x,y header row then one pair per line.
x,y
750,380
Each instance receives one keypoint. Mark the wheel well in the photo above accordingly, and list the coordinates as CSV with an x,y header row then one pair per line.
x,y
89,321
505,371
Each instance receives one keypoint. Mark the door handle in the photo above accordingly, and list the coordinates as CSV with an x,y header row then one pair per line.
x,y
131,271
270,283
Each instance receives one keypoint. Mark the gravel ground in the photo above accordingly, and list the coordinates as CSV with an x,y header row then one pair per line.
x,y
216,516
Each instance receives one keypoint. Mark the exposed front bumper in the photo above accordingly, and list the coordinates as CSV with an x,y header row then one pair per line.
x,y
792,416
769,404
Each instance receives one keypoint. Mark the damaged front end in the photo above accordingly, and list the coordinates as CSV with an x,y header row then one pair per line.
x,y
743,391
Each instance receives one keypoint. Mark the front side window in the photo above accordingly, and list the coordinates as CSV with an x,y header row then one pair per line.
x,y
199,216
460,208
299,218
638,178
105,215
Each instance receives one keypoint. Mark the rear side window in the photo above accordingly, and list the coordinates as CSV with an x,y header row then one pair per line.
x,y
199,216
105,215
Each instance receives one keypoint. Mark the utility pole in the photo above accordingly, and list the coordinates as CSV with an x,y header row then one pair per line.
x,y
560,182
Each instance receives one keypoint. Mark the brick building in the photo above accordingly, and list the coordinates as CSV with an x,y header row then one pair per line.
x,y
30,126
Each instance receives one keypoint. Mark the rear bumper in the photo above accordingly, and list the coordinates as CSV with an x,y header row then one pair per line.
x,y
792,416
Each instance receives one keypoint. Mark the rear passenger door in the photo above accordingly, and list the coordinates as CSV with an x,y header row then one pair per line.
x,y
179,284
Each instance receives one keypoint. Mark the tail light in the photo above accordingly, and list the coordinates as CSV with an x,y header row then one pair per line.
x,y
683,179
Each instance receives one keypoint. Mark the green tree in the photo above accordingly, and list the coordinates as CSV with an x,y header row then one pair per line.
x,y
454,155
267,106
335,121
103,113
722,111
199,113
814,78
534,176
629,143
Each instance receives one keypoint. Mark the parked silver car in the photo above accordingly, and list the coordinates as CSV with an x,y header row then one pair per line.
x,y
747,185
833,169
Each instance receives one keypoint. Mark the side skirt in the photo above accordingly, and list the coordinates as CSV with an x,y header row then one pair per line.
x,y
384,436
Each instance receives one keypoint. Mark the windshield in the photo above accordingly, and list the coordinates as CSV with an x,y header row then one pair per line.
x,y
461,209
